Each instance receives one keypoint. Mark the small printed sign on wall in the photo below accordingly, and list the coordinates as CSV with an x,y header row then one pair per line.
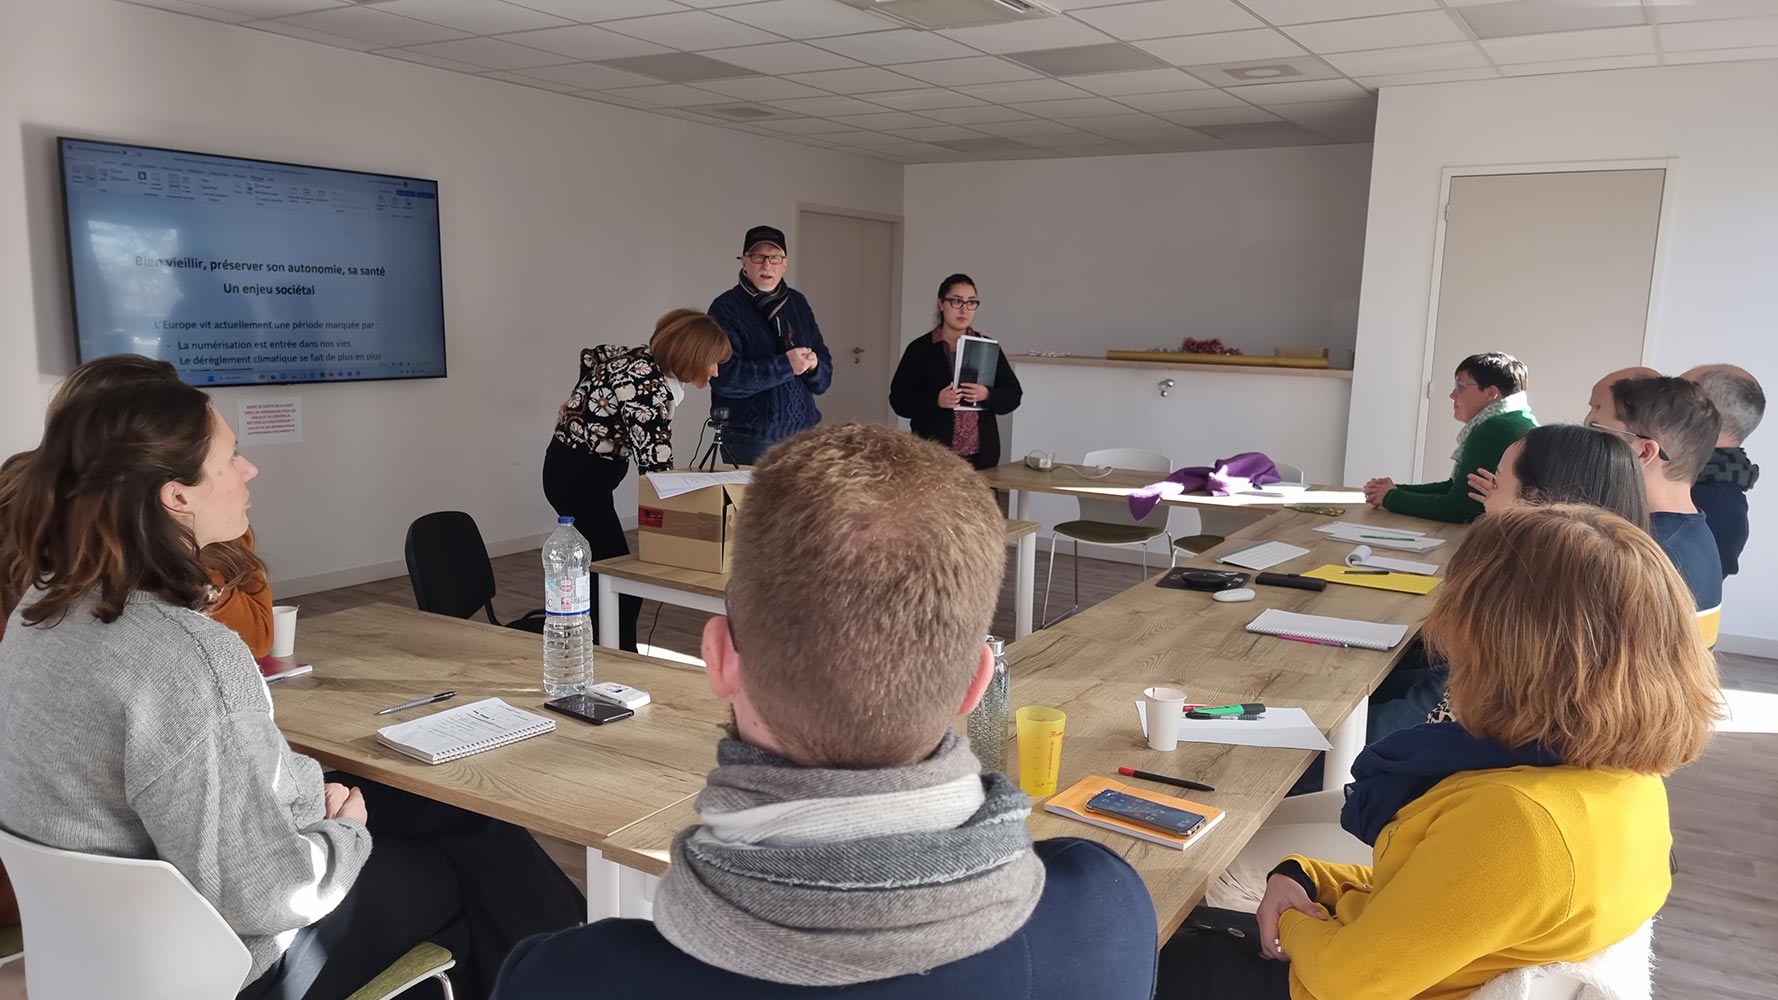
x,y
270,421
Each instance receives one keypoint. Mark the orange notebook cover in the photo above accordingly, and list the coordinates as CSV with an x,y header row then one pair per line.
x,y
1072,803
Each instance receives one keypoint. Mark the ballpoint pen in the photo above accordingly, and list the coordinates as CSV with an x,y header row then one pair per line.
x,y
417,702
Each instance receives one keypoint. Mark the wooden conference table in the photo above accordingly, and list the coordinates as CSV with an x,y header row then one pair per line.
x,y
703,591
623,790
1071,480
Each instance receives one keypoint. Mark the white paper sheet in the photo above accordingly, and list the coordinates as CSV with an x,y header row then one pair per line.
x,y
671,484
1290,728
1380,537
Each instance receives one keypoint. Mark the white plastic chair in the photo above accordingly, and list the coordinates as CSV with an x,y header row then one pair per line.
x,y
1214,526
121,927
1108,522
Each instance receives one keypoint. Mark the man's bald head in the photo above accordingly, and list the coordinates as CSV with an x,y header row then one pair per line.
x,y
1599,404
1738,398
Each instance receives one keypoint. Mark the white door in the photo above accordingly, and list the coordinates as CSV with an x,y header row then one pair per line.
x,y
1552,268
846,268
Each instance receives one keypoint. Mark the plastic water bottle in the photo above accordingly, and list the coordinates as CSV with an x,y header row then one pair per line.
x,y
568,631
990,725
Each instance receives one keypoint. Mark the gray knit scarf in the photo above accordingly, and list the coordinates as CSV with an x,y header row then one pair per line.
x,y
815,877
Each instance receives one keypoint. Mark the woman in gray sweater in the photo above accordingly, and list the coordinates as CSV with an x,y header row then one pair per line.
x,y
136,726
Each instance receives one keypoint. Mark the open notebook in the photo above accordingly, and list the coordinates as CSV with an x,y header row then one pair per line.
x,y
461,731
1336,631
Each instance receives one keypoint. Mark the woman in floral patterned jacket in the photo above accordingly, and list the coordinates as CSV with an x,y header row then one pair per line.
x,y
622,408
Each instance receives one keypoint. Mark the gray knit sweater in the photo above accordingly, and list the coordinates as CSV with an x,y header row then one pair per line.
x,y
152,737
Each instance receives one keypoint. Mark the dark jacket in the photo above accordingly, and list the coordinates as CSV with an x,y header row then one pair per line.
x,y
913,393
1092,935
766,400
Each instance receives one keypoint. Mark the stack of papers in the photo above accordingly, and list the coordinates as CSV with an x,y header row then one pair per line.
x,y
1279,727
671,484
1406,539
1363,558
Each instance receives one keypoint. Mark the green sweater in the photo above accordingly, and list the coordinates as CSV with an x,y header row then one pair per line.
x,y
1449,500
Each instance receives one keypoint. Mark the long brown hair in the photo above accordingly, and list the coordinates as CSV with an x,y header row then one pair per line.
x,y
1567,626
83,512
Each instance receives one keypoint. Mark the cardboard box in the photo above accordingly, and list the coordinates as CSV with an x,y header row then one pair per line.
x,y
692,530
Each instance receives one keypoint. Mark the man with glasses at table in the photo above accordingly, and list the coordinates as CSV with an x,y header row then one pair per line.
x,y
1672,426
780,363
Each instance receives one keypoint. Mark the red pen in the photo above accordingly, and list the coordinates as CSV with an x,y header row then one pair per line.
x,y
1313,642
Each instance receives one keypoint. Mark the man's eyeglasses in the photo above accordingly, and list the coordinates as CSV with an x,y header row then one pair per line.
x,y
1626,432
968,304
762,259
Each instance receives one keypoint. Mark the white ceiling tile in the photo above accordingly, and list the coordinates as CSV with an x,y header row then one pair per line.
x,y
760,88
436,62
604,97
531,81
867,80
1739,33
1185,100
937,133
1581,65
904,45
195,10
1187,142
1165,18
806,126
691,30
311,35
826,106
1546,17
1025,90
862,138
223,9
1219,116
586,43
1074,139
368,24
1081,107
1233,46
809,18
1146,81
976,115
1298,11
603,10
1668,11
478,17
1390,31
713,3
490,53
1364,107
783,57
1418,59
589,76
667,95
962,72
883,120
1027,129
1722,55
1571,45
1028,36
1270,94
1124,124
921,100
1430,76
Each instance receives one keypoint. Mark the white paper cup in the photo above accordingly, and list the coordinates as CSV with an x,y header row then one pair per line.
x,y
283,629
1165,706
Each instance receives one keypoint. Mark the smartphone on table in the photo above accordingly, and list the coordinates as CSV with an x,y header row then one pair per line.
x,y
1142,812
589,709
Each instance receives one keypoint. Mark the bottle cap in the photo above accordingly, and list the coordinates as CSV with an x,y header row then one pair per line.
x,y
996,644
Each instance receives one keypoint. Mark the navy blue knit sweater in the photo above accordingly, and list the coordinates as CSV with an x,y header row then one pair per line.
x,y
766,400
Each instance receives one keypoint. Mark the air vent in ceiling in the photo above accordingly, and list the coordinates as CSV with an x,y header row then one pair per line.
x,y
935,14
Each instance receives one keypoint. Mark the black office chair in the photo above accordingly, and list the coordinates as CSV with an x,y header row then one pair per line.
x,y
448,565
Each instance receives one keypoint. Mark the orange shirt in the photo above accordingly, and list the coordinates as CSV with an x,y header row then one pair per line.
x,y
247,609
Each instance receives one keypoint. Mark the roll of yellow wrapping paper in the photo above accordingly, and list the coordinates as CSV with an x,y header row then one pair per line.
x,y
1177,357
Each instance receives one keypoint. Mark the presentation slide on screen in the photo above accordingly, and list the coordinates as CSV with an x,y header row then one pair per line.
x,y
242,272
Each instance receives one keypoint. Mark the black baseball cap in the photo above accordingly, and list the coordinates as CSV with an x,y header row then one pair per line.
x,y
765,234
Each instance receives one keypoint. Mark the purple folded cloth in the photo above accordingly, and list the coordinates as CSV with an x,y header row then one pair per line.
x,y
1229,475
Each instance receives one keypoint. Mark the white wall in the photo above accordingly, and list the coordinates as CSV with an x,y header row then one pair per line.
x,y
1257,247
566,223
1718,293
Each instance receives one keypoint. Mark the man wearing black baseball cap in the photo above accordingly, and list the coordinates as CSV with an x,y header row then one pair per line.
x,y
780,362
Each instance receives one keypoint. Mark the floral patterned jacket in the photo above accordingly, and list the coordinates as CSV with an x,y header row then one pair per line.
x,y
620,408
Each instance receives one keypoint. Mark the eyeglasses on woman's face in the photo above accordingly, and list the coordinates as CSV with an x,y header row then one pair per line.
x,y
967,305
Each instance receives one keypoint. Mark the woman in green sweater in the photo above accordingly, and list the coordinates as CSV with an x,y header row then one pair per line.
x,y
1489,397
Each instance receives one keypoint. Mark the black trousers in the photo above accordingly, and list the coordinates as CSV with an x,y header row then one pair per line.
x,y
583,487
436,873
1215,956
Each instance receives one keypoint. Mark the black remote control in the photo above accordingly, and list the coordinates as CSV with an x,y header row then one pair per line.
x,y
1290,580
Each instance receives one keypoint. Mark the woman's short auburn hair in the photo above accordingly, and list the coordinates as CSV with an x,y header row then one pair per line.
x,y
1567,626
687,342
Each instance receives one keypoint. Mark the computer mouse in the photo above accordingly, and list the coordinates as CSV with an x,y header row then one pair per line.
x,y
1233,596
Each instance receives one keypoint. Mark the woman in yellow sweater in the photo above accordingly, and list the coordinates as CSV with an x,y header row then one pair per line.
x,y
1531,830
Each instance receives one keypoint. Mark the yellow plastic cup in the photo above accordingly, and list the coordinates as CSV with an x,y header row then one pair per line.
x,y
1040,748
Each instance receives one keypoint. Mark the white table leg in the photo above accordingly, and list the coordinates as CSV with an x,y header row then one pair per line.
x,y
607,612
636,894
603,886
1021,503
1025,585
1347,739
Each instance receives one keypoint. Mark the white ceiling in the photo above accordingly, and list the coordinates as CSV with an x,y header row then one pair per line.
x,y
1189,74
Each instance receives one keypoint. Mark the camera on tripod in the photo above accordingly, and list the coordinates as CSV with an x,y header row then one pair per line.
x,y
717,422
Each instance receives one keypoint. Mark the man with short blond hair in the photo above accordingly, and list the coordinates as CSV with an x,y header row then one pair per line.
x,y
1721,489
848,838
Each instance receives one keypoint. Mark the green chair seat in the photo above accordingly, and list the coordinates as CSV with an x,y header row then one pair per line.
x,y
423,961
1105,533
12,941
1196,544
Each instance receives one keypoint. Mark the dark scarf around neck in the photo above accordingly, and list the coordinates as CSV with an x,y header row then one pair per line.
x,y
769,305
1730,465
1404,765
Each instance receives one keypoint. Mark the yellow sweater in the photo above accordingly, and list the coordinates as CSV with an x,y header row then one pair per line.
x,y
1488,871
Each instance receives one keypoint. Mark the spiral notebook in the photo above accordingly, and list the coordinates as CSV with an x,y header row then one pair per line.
x,y
1333,631
464,730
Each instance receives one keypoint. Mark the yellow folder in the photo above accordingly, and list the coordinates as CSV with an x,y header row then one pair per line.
x,y
1406,583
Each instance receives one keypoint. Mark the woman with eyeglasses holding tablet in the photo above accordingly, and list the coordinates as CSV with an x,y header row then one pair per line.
x,y
923,393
